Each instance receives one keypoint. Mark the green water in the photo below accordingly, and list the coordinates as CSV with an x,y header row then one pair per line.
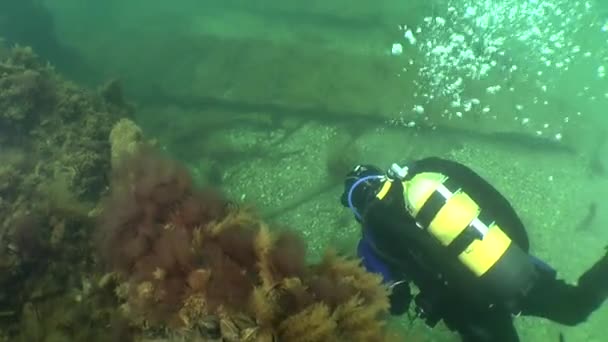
x,y
254,94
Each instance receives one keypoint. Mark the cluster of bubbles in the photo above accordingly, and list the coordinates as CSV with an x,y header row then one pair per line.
x,y
509,42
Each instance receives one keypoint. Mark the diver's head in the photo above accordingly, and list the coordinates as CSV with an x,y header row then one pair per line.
x,y
360,186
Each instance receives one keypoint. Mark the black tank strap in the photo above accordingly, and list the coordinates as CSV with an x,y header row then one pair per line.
x,y
435,202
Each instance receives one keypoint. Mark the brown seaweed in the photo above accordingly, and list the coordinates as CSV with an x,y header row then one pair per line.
x,y
186,256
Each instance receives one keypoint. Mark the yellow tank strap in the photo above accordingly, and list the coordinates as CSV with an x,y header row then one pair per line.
x,y
384,190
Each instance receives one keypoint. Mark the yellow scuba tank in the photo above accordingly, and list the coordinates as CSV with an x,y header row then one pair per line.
x,y
502,269
447,213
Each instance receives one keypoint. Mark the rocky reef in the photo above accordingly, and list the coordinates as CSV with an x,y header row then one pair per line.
x,y
54,163
102,237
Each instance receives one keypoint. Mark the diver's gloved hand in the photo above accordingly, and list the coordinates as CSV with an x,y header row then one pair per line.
x,y
360,187
595,280
400,297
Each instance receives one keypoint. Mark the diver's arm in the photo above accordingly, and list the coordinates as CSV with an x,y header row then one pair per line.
x,y
400,293
569,304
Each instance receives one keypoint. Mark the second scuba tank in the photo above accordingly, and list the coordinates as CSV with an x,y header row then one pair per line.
x,y
468,232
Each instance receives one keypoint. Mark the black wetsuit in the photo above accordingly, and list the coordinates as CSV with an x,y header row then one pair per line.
x,y
412,255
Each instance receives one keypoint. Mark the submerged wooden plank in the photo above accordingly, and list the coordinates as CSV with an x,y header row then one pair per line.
x,y
260,71
262,75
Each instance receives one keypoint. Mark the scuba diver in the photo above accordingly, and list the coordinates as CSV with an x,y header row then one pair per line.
x,y
438,225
